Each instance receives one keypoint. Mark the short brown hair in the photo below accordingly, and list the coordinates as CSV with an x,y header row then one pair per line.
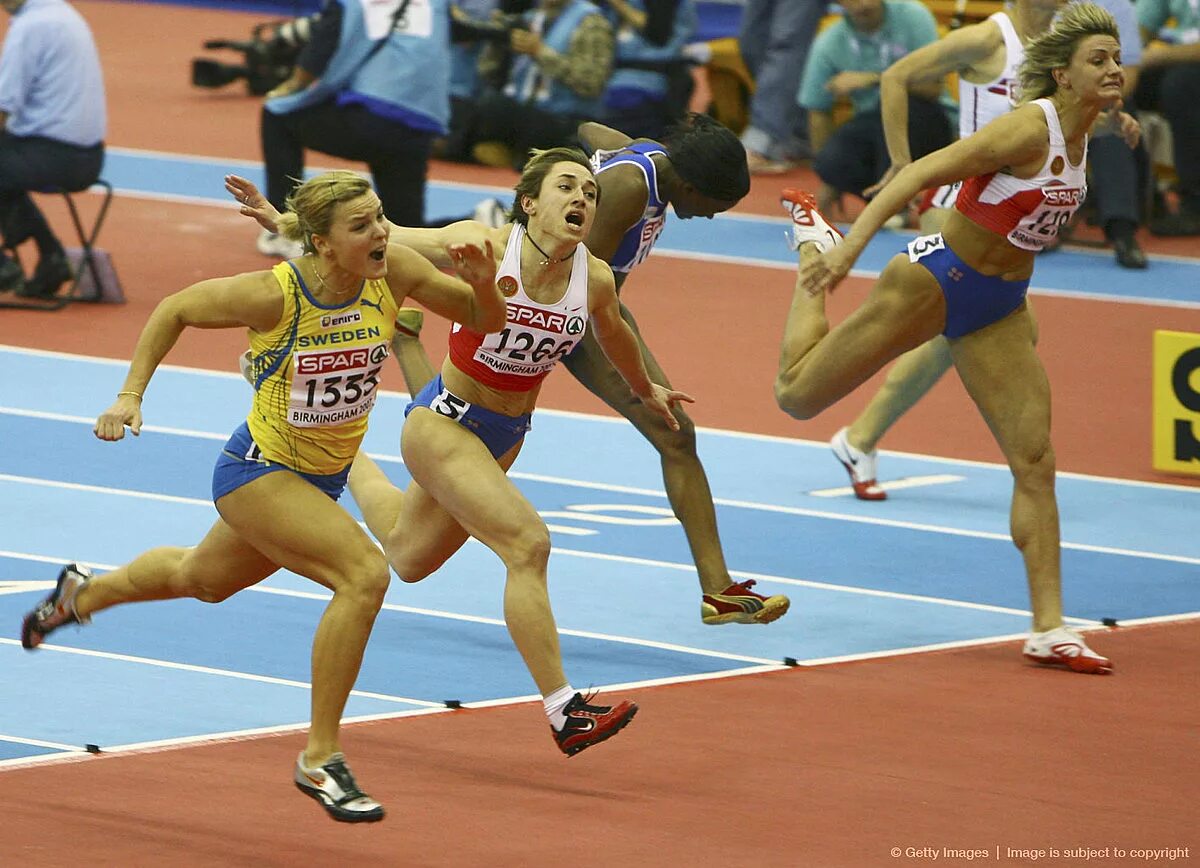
x,y
535,171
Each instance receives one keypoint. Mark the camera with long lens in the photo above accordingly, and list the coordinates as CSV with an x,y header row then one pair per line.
x,y
267,57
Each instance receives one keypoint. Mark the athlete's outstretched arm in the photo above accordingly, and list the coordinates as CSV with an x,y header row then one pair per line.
x,y
1015,139
248,301
471,298
955,52
622,347
430,243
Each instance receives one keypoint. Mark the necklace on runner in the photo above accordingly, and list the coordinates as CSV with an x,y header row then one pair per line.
x,y
546,260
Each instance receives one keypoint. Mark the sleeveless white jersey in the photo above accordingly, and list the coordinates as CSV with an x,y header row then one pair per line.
x,y
980,103
1029,211
537,336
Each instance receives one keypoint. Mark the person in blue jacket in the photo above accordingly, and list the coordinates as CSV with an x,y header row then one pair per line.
x,y
372,84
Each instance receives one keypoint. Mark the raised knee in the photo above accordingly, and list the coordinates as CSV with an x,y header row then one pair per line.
x,y
193,581
409,567
211,595
792,399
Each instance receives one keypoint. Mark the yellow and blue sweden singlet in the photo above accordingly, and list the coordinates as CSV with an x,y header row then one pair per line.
x,y
316,374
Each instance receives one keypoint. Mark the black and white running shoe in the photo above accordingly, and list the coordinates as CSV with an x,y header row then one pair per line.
x,y
57,609
334,787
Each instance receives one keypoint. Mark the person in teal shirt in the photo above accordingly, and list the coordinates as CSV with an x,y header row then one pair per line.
x,y
1169,83
846,61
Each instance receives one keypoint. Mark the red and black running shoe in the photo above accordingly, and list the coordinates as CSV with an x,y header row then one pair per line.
x,y
591,724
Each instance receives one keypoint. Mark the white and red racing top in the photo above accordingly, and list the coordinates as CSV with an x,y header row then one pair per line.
x,y
1029,211
537,336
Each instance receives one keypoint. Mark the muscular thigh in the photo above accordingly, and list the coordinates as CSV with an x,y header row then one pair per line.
x,y
297,526
461,490
224,563
1002,373
904,309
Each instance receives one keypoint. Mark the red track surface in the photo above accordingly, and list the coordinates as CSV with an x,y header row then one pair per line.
x,y
825,767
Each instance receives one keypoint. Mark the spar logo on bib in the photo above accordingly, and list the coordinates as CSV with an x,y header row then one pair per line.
x,y
1063,197
339,360
331,362
536,317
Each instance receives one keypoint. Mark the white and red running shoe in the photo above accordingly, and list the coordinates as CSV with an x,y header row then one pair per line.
x,y
808,224
860,465
1064,647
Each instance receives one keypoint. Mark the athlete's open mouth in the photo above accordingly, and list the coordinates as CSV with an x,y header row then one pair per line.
x,y
379,254
575,218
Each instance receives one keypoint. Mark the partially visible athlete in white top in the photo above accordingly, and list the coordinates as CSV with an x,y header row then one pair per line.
x,y
986,57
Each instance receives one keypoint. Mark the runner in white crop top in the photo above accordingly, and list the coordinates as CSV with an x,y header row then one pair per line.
x,y
986,57
1022,169
538,334
1030,211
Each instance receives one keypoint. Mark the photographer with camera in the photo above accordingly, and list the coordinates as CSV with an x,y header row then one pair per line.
x,y
267,57
544,73
52,125
371,84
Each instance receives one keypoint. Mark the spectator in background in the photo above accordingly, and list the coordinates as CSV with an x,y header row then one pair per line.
x,y
1169,82
562,56
650,75
774,43
372,84
472,24
52,125
1117,172
847,62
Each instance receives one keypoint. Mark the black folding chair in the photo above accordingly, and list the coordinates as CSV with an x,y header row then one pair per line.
x,y
87,259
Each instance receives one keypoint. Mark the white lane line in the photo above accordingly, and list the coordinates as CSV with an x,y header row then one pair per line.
x,y
498,622
209,670
892,485
642,562
283,729
820,586
24,587
741,504
325,596
37,742
566,414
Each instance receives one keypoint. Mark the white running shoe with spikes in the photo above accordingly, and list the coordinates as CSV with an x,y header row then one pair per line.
x,y
1064,647
808,223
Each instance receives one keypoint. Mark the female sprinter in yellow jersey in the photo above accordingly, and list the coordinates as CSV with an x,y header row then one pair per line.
x,y
465,429
320,328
